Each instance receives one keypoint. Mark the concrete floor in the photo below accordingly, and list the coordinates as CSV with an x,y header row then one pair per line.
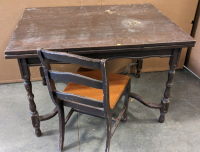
x,y
141,133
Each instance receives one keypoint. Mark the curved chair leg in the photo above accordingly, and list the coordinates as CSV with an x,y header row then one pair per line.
x,y
61,126
108,132
42,76
126,102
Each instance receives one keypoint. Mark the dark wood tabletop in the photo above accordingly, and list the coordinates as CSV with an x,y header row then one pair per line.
x,y
94,28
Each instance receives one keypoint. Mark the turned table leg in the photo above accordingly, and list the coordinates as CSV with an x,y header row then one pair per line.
x,y
173,63
139,67
25,74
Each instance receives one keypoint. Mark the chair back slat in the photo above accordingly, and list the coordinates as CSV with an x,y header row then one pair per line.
x,y
72,58
79,99
76,78
85,109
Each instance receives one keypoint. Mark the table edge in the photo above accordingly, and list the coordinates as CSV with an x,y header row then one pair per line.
x,y
33,53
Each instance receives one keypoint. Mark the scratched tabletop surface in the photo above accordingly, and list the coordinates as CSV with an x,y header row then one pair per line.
x,y
94,27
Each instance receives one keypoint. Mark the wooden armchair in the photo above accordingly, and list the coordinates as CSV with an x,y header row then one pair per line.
x,y
91,92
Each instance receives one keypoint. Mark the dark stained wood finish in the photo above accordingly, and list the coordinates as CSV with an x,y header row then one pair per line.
x,y
144,102
88,28
82,103
25,74
69,115
79,99
101,32
139,67
42,76
173,63
126,70
75,78
49,115
126,102
72,58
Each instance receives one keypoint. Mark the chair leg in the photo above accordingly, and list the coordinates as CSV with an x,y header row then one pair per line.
x,y
42,76
61,126
108,132
126,102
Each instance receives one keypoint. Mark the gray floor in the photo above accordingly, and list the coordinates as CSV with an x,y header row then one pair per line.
x,y
141,133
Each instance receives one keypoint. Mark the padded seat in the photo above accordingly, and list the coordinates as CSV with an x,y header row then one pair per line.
x,y
117,84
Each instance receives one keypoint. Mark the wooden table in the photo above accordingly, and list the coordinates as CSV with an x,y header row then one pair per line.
x,y
128,31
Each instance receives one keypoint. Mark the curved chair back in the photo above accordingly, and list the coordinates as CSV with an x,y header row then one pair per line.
x,y
73,100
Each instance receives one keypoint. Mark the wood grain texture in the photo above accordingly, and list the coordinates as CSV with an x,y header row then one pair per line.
x,y
94,27
179,11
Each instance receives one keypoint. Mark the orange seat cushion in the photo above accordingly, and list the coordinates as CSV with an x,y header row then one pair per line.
x,y
117,84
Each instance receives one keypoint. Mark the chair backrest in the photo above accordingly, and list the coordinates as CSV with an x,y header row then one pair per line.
x,y
50,76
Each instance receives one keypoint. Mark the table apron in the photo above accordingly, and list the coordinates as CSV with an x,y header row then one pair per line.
x,y
133,55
